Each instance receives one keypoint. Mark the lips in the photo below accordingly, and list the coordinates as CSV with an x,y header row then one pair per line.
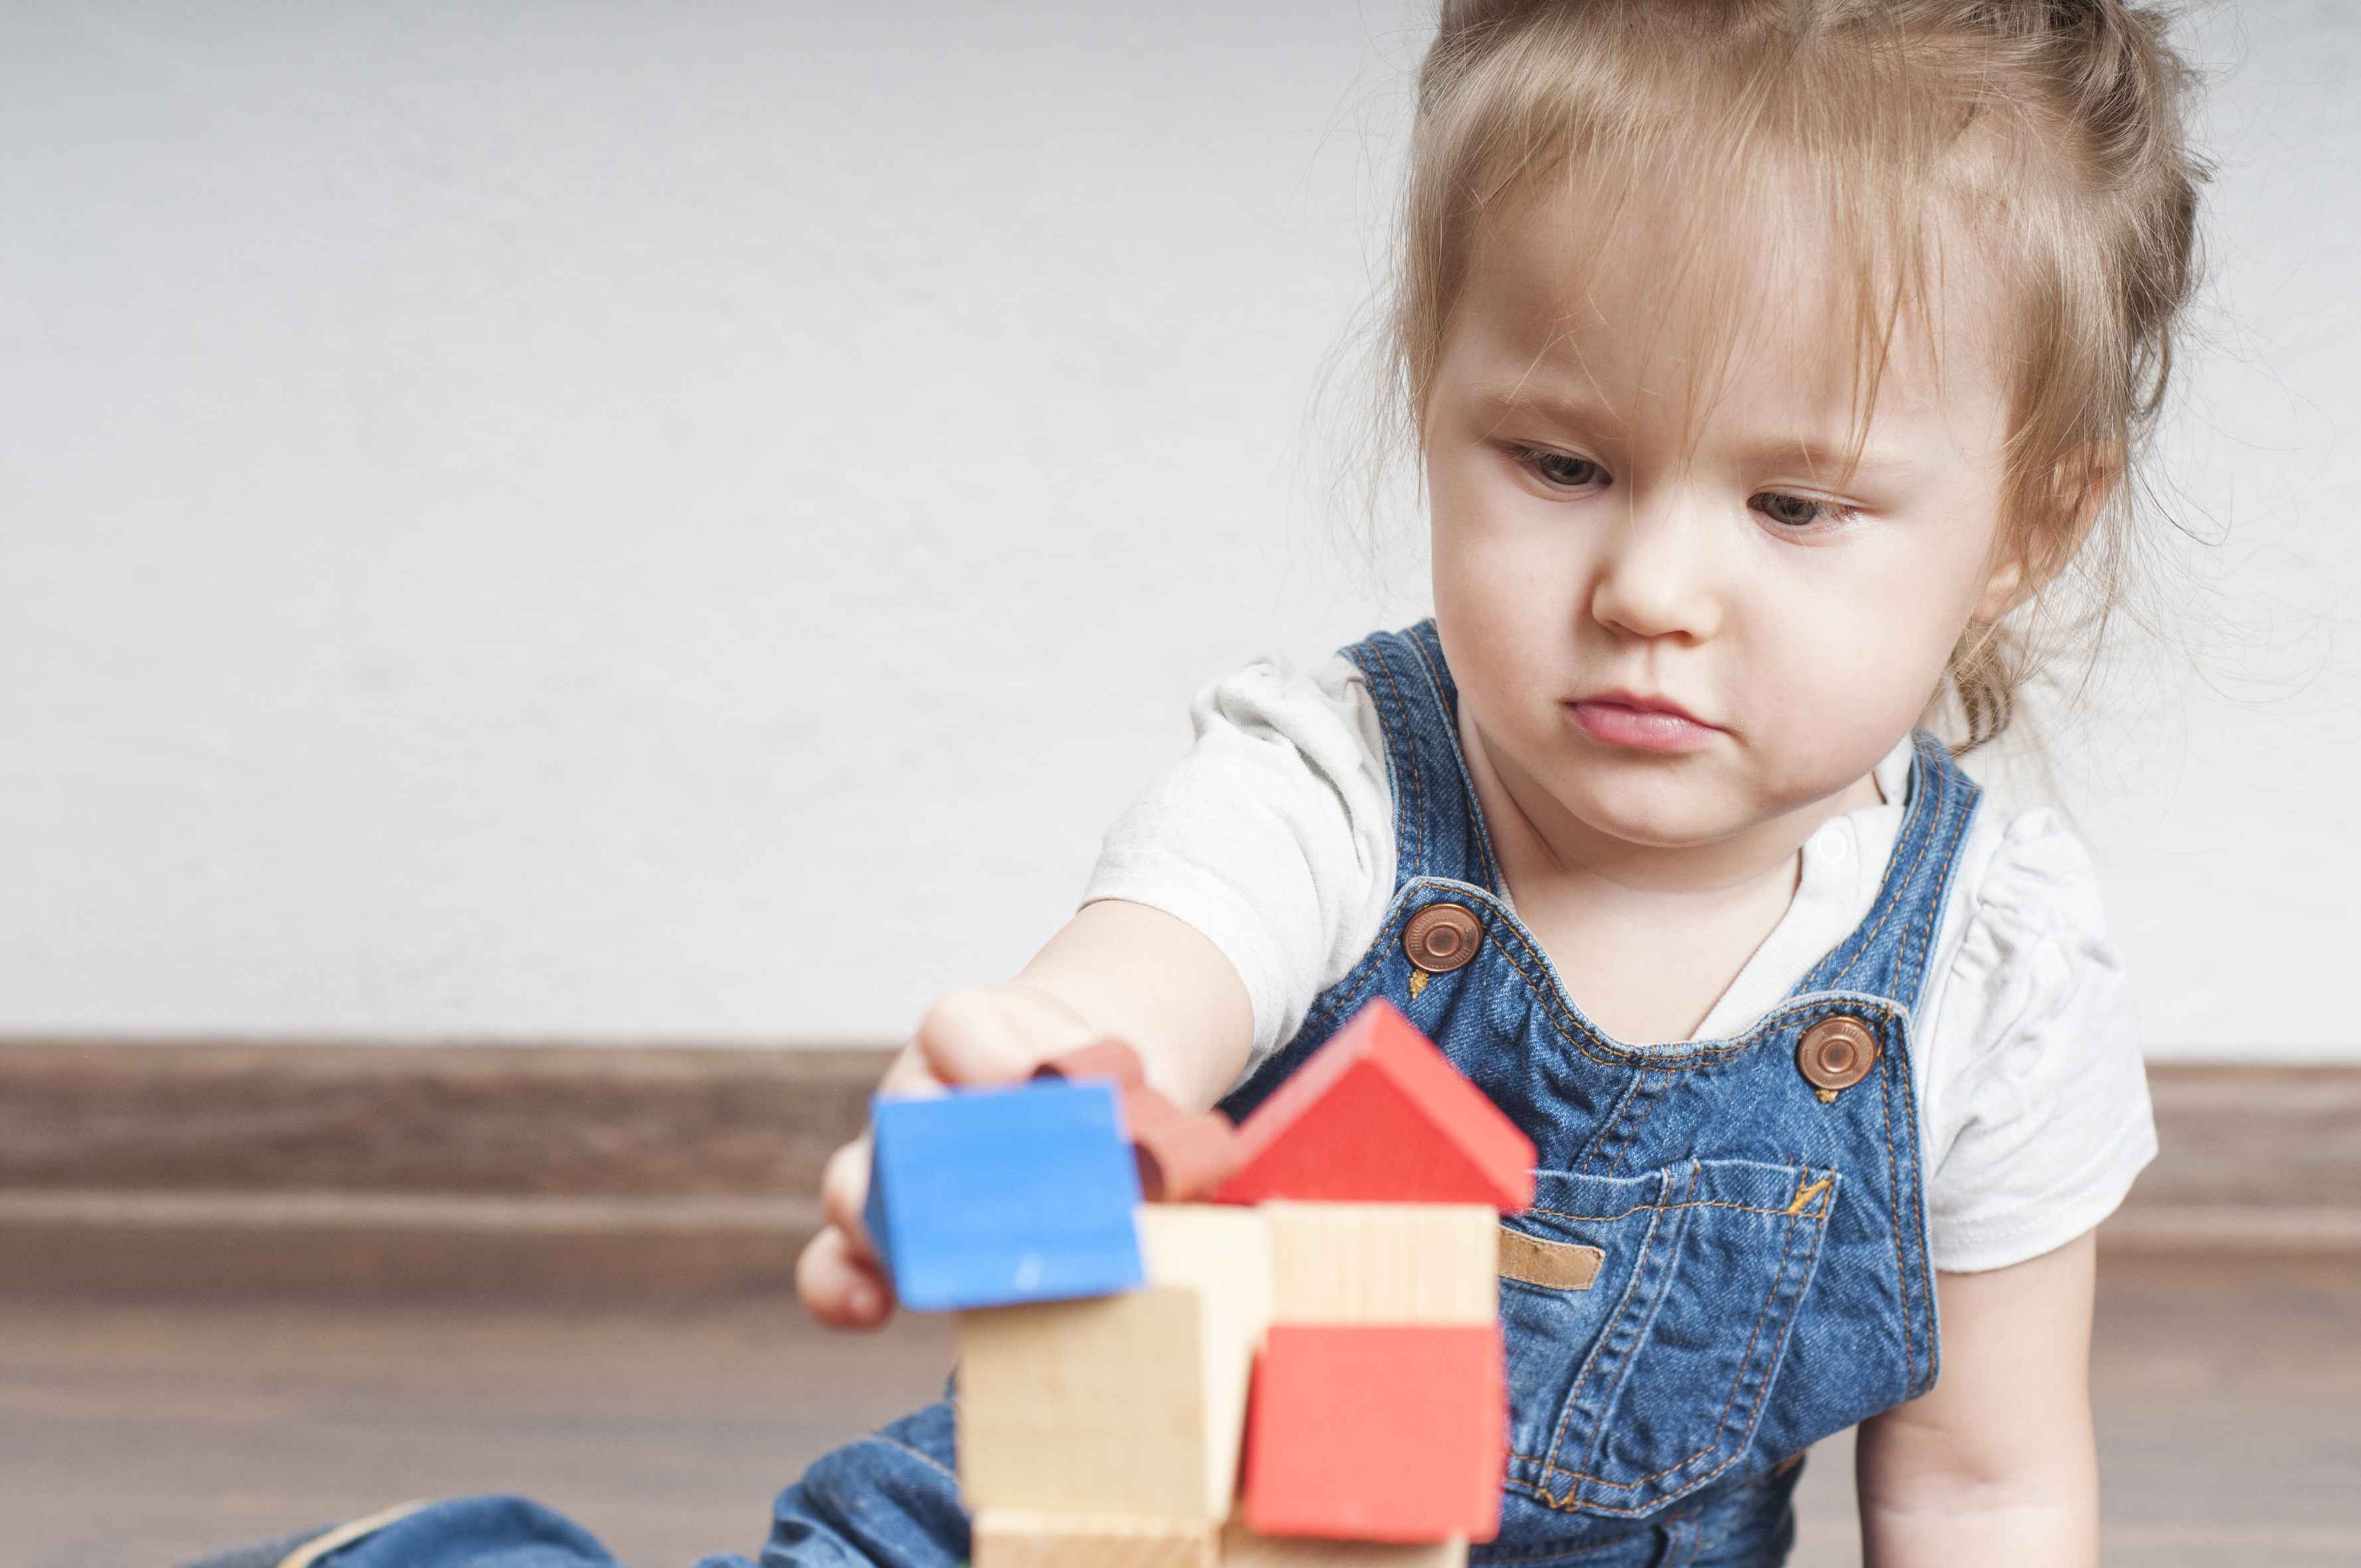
x,y
1639,722
1639,702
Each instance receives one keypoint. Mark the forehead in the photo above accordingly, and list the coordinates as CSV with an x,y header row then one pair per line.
x,y
1660,303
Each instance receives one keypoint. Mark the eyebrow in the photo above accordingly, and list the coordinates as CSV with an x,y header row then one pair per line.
x,y
1501,401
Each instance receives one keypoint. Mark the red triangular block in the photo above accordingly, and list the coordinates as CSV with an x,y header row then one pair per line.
x,y
1377,1432
1379,1116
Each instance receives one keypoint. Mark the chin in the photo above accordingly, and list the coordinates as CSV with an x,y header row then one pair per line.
x,y
1657,817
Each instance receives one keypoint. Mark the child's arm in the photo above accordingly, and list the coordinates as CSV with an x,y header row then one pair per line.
x,y
1116,968
1996,1463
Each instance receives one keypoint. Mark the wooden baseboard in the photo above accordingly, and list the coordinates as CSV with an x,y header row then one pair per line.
x,y
682,1171
640,1170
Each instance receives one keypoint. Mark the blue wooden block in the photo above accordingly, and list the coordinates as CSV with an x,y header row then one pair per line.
x,y
984,1197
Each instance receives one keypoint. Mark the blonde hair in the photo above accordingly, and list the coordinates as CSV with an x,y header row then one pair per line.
x,y
2054,127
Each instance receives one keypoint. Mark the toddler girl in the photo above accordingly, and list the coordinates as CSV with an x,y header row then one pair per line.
x,y
1768,359
1768,363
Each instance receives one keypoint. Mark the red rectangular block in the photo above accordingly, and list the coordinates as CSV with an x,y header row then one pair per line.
x,y
1377,1432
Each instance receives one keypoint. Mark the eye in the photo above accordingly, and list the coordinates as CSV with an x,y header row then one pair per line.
x,y
1797,513
1560,471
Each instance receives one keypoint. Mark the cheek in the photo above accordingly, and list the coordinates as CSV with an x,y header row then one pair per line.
x,y
1503,595
1856,656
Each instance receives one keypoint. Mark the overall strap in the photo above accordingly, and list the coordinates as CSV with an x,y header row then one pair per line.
x,y
1886,953
1438,828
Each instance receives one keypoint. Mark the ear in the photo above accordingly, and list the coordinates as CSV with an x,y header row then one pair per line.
x,y
2082,484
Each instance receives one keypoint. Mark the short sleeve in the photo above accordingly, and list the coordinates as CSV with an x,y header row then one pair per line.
x,y
1273,835
2037,1102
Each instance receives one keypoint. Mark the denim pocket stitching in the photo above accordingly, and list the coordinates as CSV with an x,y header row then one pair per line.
x,y
1684,1203
1598,1346
1722,1422
1736,1453
1642,1333
1551,1471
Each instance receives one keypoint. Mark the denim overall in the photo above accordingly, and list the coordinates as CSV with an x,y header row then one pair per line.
x,y
1762,1277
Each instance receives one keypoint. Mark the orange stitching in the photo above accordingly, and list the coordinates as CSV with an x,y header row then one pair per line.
x,y
1622,1109
1417,814
1459,755
1672,1272
1894,1197
1891,895
1684,1203
1721,1418
1889,900
1632,1139
1804,1195
1820,1234
1502,935
1913,964
1598,1346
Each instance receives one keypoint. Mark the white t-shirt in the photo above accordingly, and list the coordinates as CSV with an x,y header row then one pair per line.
x,y
1274,836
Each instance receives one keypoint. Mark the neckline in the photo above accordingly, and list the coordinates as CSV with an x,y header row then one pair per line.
x,y
1790,952
1844,862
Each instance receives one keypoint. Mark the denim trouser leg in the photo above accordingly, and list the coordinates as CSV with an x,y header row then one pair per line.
x,y
888,1500
476,1532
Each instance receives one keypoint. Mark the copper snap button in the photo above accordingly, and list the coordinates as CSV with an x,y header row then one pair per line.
x,y
1835,1054
1442,937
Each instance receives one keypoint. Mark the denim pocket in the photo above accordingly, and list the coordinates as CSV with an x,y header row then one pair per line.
x,y
1647,1383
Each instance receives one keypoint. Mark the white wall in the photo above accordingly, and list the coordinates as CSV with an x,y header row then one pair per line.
x,y
623,520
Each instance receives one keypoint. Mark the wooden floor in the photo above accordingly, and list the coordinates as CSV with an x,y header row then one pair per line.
x,y
134,1434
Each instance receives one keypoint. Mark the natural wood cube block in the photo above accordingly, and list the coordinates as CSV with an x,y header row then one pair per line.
x,y
1384,1262
1128,1405
1007,1538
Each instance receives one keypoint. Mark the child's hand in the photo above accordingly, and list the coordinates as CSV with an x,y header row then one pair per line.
x,y
990,1033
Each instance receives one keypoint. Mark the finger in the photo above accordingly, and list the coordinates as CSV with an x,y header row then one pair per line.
x,y
838,1287
909,1074
995,1036
844,1193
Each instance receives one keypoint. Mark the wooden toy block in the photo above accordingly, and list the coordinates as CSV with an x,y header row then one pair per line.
x,y
1109,1057
1384,1262
1379,1115
1377,1432
1217,1248
1182,1156
1242,1548
1126,1404
1100,1407
1007,1538
984,1197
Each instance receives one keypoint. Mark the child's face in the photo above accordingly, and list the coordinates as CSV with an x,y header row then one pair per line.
x,y
1803,622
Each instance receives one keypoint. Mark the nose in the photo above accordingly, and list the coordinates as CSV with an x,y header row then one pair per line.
x,y
1655,574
